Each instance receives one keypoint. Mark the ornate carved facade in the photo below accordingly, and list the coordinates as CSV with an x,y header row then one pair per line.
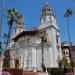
x,y
31,49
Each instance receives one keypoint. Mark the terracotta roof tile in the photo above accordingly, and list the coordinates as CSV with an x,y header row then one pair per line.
x,y
24,33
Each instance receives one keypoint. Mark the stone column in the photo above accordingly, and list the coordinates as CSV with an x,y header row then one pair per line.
x,y
1,63
20,63
12,63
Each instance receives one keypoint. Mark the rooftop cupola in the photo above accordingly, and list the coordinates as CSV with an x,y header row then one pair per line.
x,y
19,24
47,12
20,20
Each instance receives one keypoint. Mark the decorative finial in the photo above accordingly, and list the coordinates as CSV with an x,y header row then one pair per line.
x,y
46,1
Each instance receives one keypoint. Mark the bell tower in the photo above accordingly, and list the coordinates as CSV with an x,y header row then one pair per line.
x,y
47,14
19,24
49,24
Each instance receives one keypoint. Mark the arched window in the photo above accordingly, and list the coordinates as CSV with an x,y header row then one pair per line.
x,y
48,9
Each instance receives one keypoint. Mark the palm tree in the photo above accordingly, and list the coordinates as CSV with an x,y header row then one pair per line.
x,y
67,15
13,15
1,21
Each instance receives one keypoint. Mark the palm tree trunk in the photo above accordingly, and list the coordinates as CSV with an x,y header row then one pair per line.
x,y
8,38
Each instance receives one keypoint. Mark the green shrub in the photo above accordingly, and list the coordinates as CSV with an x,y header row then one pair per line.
x,y
56,71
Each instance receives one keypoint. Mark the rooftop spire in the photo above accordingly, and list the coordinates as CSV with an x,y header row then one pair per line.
x,y
46,1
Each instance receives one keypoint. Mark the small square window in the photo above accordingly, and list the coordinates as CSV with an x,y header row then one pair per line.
x,y
45,40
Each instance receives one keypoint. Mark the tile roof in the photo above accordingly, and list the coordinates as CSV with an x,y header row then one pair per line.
x,y
24,33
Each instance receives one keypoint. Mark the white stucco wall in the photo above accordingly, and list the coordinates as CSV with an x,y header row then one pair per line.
x,y
51,52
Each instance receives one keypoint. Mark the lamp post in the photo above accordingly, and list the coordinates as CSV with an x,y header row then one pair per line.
x,y
67,15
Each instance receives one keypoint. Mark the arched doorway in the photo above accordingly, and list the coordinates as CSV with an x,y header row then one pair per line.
x,y
16,63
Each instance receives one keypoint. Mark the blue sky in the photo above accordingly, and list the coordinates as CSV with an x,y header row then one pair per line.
x,y
31,11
